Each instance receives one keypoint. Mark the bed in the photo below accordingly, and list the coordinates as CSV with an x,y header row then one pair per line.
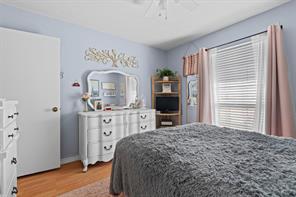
x,y
203,160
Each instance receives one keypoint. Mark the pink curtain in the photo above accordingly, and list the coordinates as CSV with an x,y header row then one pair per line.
x,y
279,106
205,104
190,65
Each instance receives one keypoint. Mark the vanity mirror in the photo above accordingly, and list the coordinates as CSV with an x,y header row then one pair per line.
x,y
112,87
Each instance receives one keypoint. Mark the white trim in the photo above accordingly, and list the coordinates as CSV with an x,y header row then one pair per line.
x,y
69,159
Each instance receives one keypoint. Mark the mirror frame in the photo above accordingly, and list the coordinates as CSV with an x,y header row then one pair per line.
x,y
88,81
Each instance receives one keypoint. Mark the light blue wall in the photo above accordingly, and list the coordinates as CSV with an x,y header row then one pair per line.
x,y
74,41
285,15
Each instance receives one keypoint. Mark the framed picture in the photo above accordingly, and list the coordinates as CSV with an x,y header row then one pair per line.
x,y
99,105
166,88
108,86
192,92
95,88
192,88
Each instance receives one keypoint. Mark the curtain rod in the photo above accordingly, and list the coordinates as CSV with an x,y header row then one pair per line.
x,y
262,32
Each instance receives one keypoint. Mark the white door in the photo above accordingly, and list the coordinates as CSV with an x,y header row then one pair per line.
x,y
29,73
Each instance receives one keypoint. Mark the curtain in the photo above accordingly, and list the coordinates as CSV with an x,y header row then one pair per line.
x,y
190,64
279,106
205,92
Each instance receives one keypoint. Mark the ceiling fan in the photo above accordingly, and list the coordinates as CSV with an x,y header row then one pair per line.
x,y
160,8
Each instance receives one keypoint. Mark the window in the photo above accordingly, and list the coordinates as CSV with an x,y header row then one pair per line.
x,y
238,78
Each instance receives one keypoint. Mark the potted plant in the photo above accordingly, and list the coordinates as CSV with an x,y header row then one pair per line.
x,y
165,73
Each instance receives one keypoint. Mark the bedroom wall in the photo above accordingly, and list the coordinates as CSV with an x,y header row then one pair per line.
x,y
74,41
284,14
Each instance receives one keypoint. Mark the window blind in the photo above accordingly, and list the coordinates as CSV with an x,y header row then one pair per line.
x,y
237,85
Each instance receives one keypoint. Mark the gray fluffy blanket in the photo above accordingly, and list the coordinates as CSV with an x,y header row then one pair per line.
x,y
202,160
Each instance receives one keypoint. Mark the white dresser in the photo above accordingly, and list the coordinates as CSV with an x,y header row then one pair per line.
x,y
99,131
8,148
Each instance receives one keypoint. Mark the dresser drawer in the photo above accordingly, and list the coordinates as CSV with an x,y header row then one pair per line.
x,y
9,165
140,117
112,120
146,116
106,133
146,126
101,148
12,189
95,135
108,120
102,121
8,134
7,115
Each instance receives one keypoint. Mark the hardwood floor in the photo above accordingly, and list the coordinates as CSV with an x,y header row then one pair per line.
x,y
67,178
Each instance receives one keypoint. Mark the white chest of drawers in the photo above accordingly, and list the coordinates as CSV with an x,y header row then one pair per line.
x,y
8,148
99,131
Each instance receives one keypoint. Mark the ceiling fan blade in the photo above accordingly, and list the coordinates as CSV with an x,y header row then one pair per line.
x,y
153,9
188,4
138,1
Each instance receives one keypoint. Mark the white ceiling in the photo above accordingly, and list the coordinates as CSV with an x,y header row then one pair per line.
x,y
127,19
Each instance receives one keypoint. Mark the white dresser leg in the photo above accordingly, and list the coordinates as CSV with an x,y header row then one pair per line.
x,y
85,164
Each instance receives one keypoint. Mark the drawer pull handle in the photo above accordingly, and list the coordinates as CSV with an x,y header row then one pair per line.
x,y
14,190
144,127
11,135
143,116
11,116
13,161
110,132
16,129
107,122
110,147
16,113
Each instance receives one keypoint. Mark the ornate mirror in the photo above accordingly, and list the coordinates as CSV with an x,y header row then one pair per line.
x,y
112,87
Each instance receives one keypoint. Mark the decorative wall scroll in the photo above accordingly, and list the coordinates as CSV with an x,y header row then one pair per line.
x,y
107,56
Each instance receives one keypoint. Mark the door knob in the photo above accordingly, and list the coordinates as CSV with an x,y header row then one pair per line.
x,y
55,109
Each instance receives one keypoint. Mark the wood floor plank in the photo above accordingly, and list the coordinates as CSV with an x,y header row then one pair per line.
x,y
59,181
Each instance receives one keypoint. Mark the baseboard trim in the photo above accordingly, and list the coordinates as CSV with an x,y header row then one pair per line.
x,y
69,159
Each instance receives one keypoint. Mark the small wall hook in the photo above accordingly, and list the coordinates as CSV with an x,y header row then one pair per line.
x,y
76,84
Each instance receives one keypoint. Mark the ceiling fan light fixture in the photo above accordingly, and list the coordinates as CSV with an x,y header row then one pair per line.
x,y
160,8
163,9
163,4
